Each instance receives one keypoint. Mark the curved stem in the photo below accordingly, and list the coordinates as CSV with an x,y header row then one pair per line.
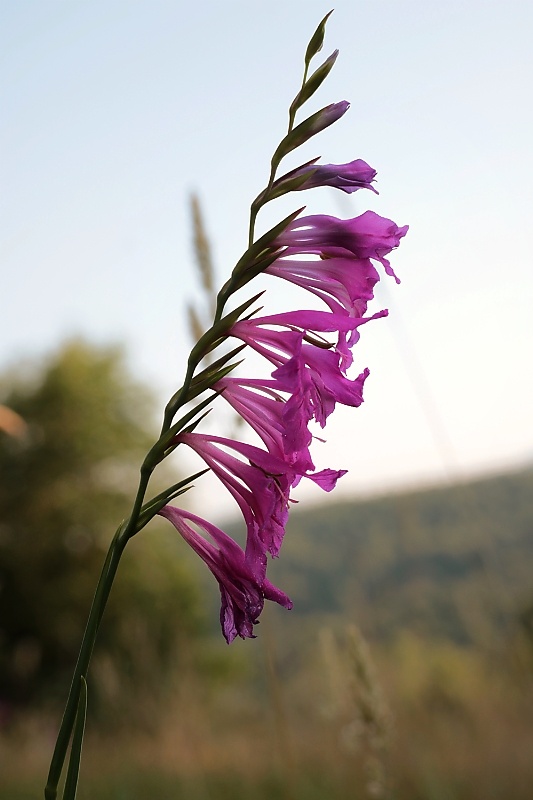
x,y
109,570
127,530
263,197
253,216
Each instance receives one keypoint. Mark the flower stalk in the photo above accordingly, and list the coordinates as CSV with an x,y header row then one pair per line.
x,y
330,258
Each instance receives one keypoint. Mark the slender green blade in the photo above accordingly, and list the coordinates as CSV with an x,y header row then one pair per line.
x,y
210,378
71,782
314,82
317,39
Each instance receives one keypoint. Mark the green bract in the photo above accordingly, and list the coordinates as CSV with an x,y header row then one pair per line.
x,y
317,39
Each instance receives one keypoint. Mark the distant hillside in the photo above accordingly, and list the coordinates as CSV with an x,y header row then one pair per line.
x,y
454,562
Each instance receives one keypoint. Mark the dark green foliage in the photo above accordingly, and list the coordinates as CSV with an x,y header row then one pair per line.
x,y
451,562
65,485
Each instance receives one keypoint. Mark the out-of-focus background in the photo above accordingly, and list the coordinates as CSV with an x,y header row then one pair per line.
x,y
406,666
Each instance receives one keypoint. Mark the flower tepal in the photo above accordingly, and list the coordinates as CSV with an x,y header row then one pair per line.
x,y
347,177
308,353
242,595
366,236
260,485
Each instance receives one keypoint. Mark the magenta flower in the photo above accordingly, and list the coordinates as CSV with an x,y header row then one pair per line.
x,y
312,375
260,487
316,384
346,327
260,404
281,425
242,595
273,344
366,236
311,320
333,259
347,177
345,284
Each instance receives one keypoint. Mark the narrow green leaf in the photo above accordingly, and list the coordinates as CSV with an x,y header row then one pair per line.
x,y
215,335
194,425
220,362
317,39
213,378
256,269
308,128
211,374
153,506
262,244
292,181
315,81
230,319
293,184
190,415
161,448
164,495
61,748
164,445
73,771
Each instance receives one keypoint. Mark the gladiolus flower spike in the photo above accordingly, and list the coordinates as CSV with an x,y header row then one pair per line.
x,y
334,260
308,354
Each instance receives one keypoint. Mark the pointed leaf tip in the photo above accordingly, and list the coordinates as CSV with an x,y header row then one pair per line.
x,y
310,127
314,82
317,39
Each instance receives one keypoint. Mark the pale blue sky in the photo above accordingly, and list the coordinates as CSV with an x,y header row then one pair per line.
x,y
113,111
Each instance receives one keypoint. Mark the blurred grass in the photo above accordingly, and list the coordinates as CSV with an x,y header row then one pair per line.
x,y
311,710
460,729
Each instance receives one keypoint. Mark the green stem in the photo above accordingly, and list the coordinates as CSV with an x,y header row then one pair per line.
x,y
109,570
178,399
253,216
293,109
263,198
125,532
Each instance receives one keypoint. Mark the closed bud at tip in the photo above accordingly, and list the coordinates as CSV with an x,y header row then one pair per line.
x,y
309,127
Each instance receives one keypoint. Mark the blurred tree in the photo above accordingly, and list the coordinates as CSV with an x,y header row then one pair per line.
x,y
67,474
